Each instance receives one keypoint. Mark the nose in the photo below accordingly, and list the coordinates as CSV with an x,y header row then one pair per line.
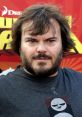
x,y
41,48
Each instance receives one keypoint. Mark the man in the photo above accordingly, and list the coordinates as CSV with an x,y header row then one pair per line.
x,y
40,88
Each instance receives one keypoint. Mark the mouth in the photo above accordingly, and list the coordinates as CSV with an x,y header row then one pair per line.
x,y
42,59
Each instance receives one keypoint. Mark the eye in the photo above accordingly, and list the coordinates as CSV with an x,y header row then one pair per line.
x,y
31,40
51,40
62,104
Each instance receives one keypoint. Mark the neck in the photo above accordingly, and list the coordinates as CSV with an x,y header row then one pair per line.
x,y
53,75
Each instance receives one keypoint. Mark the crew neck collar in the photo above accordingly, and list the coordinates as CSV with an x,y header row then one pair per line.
x,y
38,78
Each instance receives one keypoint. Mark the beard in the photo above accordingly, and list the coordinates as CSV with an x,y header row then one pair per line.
x,y
41,73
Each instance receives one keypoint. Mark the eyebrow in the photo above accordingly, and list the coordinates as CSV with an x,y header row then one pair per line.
x,y
36,38
29,38
51,38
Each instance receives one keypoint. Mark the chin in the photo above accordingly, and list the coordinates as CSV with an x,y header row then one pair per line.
x,y
42,69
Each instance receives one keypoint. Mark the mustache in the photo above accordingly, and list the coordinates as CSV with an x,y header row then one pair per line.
x,y
41,56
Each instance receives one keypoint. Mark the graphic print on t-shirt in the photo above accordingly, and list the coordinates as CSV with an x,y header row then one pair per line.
x,y
58,104
58,107
63,115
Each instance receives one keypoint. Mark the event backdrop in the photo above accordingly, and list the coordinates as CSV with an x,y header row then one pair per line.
x,y
9,12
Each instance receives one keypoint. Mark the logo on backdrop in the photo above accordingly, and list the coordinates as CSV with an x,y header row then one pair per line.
x,y
7,11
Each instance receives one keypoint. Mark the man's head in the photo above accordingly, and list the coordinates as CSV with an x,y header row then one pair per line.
x,y
41,37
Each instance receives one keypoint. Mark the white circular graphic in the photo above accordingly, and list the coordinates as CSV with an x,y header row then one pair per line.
x,y
63,115
58,104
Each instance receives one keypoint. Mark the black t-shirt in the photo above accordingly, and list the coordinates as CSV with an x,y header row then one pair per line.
x,y
22,95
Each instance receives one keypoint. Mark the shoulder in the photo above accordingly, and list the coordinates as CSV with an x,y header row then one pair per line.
x,y
71,76
71,79
71,72
9,76
14,77
5,72
4,78
9,82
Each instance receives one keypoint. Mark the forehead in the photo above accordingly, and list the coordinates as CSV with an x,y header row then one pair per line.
x,y
27,25
53,26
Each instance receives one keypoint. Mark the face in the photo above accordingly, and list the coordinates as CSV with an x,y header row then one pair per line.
x,y
41,54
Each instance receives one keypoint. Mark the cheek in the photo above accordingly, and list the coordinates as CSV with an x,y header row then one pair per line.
x,y
56,52
26,50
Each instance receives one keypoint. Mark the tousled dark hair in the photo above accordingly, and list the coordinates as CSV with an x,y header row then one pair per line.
x,y
41,15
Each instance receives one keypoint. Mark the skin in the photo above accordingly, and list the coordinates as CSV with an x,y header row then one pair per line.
x,y
41,54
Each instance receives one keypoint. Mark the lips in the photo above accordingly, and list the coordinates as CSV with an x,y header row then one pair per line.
x,y
42,58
